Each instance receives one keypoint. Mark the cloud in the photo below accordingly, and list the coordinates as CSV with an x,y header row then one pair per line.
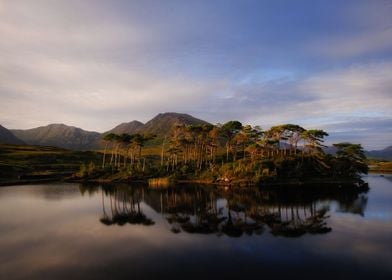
x,y
89,90
96,65
367,31
357,89
348,46
61,63
354,99
374,132
360,90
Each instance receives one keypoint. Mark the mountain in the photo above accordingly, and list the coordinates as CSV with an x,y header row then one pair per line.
x,y
164,122
385,154
6,137
129,128
60,135
69,137
330,150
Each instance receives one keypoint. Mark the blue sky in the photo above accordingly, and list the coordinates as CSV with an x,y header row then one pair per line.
x,y
94,64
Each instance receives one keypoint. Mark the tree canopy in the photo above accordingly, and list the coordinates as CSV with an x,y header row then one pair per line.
x,y
236,151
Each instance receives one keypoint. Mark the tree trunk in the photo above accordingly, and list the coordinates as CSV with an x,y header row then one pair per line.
x,y
227,151
104,156
163,145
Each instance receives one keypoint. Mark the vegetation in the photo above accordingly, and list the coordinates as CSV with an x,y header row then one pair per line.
x,y
24,163
350,160
380,166
229,153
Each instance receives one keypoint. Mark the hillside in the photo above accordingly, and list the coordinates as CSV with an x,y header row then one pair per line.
x,y
129,128
24,163
385,154
6,137
163,123
69,137
60,135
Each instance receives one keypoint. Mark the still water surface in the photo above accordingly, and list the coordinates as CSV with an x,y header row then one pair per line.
x,y
71,231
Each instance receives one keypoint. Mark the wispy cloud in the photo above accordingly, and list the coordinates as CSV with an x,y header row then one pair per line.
x,y
95,64
349,46
368,31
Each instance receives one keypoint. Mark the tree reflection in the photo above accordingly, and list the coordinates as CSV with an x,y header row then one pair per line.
x,y
297,226
124,207
356,206
289,213
229,212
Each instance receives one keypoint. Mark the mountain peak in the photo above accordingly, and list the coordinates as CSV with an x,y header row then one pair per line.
x,y
129,128
60,135
63,126
387,149
174,115
384,154
7,137
162,123
70,137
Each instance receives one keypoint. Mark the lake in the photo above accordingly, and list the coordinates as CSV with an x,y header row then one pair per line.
x,y
72,231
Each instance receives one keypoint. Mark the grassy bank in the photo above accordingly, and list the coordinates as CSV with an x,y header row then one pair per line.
x,y
21,164
26,164
380,167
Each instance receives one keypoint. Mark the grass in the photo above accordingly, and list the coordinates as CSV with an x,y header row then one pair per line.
x,y
380,166
159,182
25,162
37,162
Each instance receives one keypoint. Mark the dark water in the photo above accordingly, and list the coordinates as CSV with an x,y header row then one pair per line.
x,y
70,231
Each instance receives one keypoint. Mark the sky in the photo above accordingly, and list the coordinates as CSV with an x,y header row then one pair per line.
x,y
95,64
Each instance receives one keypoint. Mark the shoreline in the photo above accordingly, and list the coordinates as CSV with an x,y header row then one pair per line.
x,y
385,171
323,182
28,182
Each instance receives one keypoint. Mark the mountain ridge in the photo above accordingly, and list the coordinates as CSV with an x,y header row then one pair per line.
x,y
7,137
126,127
71,137
162,123
59,135
384,154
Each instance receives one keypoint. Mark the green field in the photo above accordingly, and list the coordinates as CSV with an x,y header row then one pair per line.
x,y
29,163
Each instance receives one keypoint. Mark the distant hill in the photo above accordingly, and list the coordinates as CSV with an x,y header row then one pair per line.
x,y
7,137
163,123
330,150
69,137
385,154
60,135
129,128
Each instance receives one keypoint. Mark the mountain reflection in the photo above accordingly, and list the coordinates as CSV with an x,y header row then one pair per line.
x,y
231,212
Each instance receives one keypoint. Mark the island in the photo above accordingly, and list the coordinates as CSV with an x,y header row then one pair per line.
x,y
178,148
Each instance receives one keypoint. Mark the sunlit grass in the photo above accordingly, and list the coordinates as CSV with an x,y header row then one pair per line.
x,y
22,160
381,166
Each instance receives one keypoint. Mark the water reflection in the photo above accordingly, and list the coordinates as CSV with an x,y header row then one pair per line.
x,y
191,238
356,206
229,212
124,207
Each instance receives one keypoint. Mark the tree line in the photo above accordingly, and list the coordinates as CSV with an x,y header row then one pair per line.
x,y
126,149
233,150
